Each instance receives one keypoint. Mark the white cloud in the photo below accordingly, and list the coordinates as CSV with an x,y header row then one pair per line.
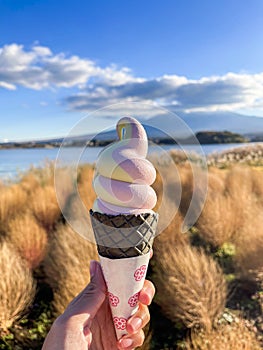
x,y
39,68
228,92
42,51
7,86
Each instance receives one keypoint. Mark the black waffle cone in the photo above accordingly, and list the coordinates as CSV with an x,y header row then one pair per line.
x,y
124,236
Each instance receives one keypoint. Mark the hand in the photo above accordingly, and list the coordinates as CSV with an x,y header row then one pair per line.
x,y
87,322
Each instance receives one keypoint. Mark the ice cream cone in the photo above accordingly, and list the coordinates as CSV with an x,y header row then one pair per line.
x,y
124,243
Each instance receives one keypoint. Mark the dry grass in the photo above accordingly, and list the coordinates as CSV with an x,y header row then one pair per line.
x,y
172,234
239,184
12,201
16,288
233,205
193,181
29,182
45,174
249,155
64,186
191,285
29,238
44,206
167,188
249,250
67,265
217,222
85,188
235,336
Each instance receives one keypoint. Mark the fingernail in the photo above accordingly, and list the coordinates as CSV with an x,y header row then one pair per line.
x,y
92,268
150,292
125,343
136,323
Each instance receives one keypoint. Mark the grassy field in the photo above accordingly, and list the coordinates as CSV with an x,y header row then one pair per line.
x,y
209,279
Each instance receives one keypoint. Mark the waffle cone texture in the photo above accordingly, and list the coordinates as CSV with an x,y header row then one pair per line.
x,y
124,236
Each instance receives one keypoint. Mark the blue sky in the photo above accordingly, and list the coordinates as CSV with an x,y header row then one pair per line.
x,y
60,60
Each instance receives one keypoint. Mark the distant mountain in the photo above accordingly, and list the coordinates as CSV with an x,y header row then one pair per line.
x,y
208,121
163,126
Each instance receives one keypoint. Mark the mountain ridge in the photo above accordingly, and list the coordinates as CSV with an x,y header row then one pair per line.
x,y
184,126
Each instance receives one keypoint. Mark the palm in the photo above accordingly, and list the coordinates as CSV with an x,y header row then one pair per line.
x,y
102,329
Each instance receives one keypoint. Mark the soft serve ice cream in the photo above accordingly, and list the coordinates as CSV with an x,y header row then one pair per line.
x,y
122,218
124,176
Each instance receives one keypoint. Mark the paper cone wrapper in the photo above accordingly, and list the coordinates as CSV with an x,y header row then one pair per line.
x,y
124,278
124,245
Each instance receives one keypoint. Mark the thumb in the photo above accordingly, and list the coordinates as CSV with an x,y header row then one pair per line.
x,y
95,292
85,306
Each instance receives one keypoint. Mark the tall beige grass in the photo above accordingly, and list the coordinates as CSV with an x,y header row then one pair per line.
x,y
190,285
87,193
29,238
44,206
66,186
249,249
232,206
217,222
29,182
13,199
235,336
67,265
193,181
17,287
257,185
239,185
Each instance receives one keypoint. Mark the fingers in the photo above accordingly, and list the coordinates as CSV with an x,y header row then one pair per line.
x,y
135,336
87,303
138,320
147,293
130,342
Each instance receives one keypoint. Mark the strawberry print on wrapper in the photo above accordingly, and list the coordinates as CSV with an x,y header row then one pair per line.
x,y
133,300
120,322
113,299
140,272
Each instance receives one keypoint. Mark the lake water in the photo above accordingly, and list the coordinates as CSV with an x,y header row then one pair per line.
x,y
15,161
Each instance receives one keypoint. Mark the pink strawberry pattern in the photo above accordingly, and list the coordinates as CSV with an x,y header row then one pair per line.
x,y
133,300
139,273
113,299
120,322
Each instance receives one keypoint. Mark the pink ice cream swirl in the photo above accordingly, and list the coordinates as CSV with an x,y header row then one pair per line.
x,y
124,176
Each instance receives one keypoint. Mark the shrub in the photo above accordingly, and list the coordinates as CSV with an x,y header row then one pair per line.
x,y
44,206
172,234
67,265
29,182
190,285
239,186
12,201
234,336
194,187
230,211
217,222
85,189
17,288
249,249
29,238
257,185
